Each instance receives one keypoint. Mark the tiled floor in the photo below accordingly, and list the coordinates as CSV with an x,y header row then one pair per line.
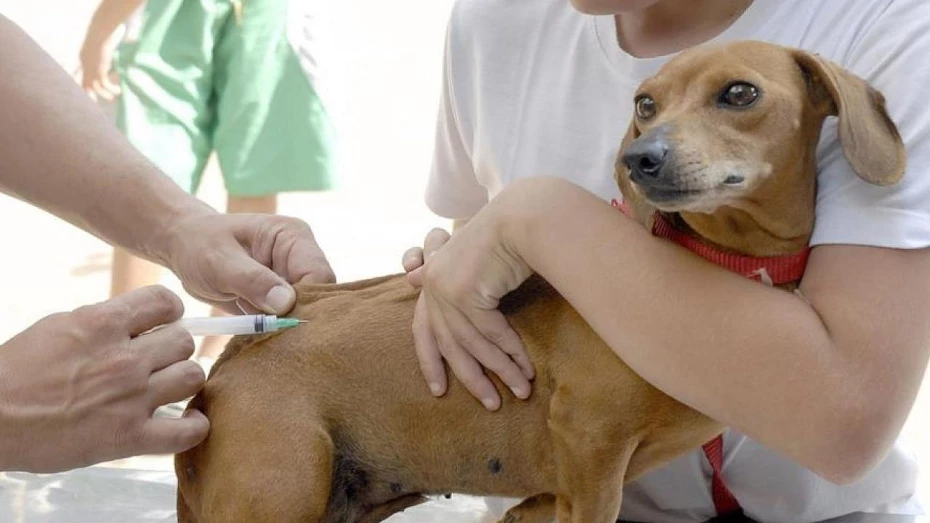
x,y
387,130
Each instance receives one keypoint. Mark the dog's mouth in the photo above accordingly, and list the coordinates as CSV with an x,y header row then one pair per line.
x,y
680,199
670,194
692,190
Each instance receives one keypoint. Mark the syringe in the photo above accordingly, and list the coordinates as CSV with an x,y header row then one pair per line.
x,y
235,325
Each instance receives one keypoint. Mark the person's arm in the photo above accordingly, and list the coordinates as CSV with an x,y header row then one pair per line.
x,y
829,383
96,51
60,153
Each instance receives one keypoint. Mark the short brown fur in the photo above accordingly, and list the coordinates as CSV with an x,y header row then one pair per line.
x,y
331,422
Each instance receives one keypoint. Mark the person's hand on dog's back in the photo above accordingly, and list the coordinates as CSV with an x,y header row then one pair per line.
x,y
81,387
461,324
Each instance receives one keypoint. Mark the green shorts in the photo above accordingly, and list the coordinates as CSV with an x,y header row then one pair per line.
x,y
198,78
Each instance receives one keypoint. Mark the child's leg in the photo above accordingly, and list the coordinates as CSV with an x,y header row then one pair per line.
x,y
212,346
128,272
252,204
164,107
273,132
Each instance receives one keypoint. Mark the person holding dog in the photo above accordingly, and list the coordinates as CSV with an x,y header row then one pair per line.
x,y
815,390
81,387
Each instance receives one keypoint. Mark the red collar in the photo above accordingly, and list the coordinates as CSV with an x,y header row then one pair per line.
x,y
771,270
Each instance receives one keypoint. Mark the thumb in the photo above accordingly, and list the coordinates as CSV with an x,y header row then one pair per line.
x,y
257,284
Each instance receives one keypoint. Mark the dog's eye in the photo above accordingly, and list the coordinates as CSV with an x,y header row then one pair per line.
x,y
740,94
645,107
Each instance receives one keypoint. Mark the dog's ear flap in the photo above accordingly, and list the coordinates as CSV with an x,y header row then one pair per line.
x,y
642,211
869,137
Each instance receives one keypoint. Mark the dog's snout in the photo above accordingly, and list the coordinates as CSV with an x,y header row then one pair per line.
x,y
647,156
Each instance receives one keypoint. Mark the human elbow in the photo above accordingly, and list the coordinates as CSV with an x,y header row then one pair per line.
x,y
857,439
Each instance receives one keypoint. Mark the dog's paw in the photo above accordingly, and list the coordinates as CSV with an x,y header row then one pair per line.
x,y
537,509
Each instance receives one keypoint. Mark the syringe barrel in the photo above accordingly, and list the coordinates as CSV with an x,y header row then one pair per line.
x,y
229,325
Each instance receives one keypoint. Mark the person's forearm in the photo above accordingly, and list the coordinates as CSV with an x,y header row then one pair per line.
x,y
60,153
756,358
108,16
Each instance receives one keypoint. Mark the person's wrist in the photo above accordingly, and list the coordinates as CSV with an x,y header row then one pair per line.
x,y
99,32
526,205
93,41
170,231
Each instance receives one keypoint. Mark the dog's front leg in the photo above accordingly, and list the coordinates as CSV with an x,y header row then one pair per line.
x,y
593,498
592,454
536,509
382,512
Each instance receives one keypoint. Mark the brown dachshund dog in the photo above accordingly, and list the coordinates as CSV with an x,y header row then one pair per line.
x,y
331,421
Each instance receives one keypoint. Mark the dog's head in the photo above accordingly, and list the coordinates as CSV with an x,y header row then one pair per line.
x,y
737,126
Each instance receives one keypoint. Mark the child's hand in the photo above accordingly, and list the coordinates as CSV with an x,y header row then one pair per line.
x,y
96,63
415,257
456,317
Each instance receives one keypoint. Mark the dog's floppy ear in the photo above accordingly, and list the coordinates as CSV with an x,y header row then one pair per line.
x,y
642,211
869,137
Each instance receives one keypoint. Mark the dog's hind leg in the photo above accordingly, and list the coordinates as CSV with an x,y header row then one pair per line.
x,y
535,509
184,512
277,473
282,481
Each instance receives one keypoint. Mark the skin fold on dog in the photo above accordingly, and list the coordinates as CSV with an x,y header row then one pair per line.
x,y
332,422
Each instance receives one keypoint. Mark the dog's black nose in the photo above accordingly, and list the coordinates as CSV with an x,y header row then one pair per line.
x,y
646,156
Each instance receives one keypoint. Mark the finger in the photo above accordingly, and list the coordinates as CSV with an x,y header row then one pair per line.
x,y
245,308
465,367
427,349
473,340
435,239
164,346
101,92
415,277
242,276
173,435
147,308
495,328
109,85
176,382
412,259
296,255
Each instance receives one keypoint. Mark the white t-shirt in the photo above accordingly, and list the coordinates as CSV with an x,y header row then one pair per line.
x,y
534,87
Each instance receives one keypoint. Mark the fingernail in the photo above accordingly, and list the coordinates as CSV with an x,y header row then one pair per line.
x,y
489,403
435,388
519,392
279,298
